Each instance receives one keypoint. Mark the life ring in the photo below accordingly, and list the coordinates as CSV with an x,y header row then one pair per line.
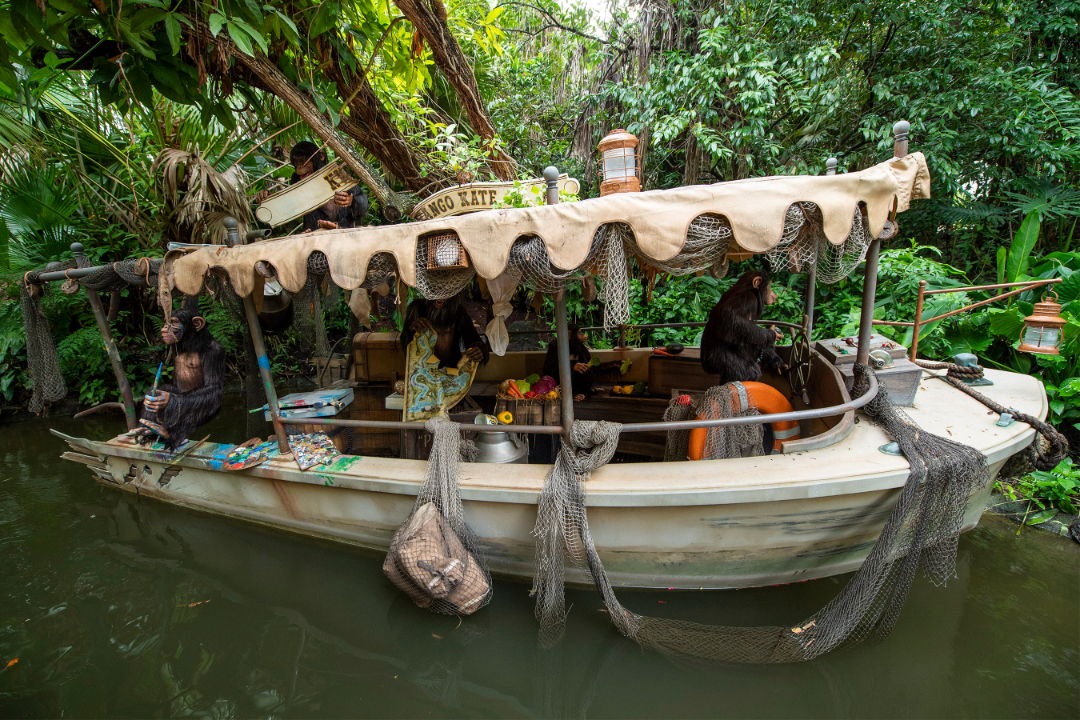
x,y
769,401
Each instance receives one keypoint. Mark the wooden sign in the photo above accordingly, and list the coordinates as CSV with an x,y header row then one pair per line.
x,y
312,192
480,196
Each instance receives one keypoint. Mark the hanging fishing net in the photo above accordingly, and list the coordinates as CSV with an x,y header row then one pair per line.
x,y
803,243
922,530
136,272
434,557
720,443
439,283
41,356
530,265
708,239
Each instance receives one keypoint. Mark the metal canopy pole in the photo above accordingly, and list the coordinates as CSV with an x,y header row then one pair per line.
x,y
873,253
233,239
562,338
110,344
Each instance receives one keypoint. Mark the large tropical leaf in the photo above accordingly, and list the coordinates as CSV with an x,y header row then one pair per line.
x,y
38,207
1022,245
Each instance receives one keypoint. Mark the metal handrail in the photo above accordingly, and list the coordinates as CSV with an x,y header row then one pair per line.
x,y
795,415
653,326
1024,286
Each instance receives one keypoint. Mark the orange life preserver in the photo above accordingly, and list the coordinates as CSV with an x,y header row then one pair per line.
x,y
768,400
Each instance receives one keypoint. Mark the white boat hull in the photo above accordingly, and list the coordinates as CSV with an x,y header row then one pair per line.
x,y
708,524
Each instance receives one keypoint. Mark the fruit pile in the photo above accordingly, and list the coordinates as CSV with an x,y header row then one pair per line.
x,y
530,388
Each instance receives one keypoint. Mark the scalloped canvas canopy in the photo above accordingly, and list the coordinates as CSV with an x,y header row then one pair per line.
x,y
659,219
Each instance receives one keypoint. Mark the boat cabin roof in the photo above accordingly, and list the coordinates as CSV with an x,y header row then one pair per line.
x,y
658,219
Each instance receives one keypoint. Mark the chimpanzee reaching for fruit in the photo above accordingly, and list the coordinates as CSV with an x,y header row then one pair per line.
x,y
733,345
177,409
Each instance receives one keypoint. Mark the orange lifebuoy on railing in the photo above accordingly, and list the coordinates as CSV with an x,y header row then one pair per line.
x,y
769,401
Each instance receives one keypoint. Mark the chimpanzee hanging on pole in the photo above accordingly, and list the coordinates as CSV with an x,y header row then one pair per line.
x,y
176,409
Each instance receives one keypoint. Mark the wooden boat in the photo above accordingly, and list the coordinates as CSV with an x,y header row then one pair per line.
x,y
813,510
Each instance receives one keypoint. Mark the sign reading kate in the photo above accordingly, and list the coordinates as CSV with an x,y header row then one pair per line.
x,y
478,196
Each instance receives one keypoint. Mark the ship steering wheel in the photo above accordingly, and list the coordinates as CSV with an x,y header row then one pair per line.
x,y
798,372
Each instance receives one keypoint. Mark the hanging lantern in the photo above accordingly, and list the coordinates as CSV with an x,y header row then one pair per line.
x,y
618,163
1042,330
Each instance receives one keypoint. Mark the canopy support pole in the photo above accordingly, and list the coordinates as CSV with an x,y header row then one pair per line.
x,y
233,239
869,296
110,344
562,337
811,292
866,319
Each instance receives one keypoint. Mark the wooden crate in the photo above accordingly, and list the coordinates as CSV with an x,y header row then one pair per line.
x,y
327,376
379,357
530,412
369,403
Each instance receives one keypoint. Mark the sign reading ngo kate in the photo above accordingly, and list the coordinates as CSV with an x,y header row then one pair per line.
x,y
477,196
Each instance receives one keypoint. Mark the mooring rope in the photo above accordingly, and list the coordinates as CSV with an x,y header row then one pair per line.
x,y
1057,445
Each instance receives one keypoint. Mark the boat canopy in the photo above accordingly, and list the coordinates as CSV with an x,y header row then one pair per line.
x,y
659,220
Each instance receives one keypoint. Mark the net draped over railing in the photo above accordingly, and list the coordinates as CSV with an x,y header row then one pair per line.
x,y
922,531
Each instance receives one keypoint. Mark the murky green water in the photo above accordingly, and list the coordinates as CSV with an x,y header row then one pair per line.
x,y
120,607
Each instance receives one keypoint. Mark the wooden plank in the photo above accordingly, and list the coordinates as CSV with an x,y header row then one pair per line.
x,y
88,460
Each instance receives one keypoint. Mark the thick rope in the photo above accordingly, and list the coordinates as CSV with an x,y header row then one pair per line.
x,y
1057,446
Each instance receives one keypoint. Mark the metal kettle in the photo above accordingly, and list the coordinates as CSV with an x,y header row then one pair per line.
x,y
499,447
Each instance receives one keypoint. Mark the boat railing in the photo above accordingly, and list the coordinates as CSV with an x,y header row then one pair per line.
x,y
662,426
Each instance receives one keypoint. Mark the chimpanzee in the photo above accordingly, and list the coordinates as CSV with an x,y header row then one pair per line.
x,y
199,373
347,209
733,345
457,335
582,374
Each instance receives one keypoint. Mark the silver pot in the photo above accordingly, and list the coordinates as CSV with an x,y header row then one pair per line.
x,y
499,447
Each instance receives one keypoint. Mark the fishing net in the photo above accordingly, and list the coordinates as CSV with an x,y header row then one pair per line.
x,y
721,443
707,241
381,268
440,283
922,530
137,272
308,317
434,557
530,265
45,373
803,243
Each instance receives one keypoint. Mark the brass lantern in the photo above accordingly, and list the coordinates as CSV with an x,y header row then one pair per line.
x,y
1042,330
619,163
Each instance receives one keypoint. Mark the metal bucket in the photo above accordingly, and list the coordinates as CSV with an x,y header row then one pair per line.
x,y
499,447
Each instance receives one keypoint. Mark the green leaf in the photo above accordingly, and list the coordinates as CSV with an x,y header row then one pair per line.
x,y
172,29
255,34
1006,323
216,21
1002,256
1022,245
5,259
144,18
1069,289
241,38
324,19
1041,517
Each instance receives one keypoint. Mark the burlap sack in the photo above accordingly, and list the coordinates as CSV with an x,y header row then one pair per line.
x,y
428,562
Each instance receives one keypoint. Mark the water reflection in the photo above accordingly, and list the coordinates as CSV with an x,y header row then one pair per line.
x,y
117,606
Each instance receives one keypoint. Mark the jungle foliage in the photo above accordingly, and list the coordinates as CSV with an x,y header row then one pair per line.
x,y
418,95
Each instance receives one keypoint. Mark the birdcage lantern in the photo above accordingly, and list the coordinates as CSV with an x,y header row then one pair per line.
x,y
1043,328
445,252
619,166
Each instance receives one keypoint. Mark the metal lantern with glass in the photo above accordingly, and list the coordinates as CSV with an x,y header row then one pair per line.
x,y
619,165
1042,329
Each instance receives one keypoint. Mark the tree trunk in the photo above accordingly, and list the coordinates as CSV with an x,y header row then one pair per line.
x,y
429,19
394,205
370,125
